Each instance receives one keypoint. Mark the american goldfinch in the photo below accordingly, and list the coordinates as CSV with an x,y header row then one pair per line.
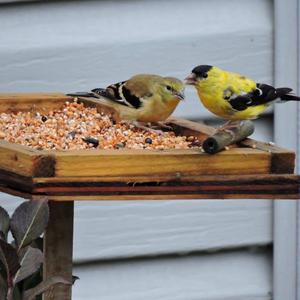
x,y
232,96
143,98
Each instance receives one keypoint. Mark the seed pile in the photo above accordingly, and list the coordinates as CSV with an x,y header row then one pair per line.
x,y
75,126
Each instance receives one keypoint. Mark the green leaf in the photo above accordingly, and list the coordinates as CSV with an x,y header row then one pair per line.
x,y
44,286
31,281
3,288
29,221
17,294
2,236
10,260
38,243
4,223
2,269
30,262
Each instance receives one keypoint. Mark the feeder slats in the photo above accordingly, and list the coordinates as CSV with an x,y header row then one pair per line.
x,y
128,162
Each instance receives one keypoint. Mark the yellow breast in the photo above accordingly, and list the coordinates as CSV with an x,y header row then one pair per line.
x,y
211,93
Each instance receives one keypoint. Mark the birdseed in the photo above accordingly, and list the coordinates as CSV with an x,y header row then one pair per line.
x,y
74,127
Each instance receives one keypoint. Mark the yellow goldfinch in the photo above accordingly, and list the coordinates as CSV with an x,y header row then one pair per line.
x,y
143,98
232,96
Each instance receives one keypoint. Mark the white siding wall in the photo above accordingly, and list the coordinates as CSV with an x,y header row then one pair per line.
x,y
78,45
287,119
238,275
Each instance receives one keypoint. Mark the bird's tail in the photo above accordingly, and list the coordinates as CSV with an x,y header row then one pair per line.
x,y
100,92
98,96
81,94
95,93
285,94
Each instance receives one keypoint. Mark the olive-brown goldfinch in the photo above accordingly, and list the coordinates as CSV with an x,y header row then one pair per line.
x,y
143,98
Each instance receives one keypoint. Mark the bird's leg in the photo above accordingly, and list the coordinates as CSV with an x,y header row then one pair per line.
x,y
162,125
165,126
229,126
154,128
144,126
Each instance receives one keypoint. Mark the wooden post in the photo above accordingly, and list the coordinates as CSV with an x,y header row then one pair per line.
x,y
58,248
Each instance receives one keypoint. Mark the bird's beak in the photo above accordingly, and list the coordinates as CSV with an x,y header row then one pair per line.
x,y
180,95
191,79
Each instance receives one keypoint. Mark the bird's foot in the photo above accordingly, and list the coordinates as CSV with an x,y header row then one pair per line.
x,y
153,130
164,125
145,126
229,127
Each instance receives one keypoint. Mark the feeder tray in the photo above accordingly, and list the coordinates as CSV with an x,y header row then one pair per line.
x,y
250,169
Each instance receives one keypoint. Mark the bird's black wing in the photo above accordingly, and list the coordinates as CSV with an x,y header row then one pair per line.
x,y
120,94
262,94
240,103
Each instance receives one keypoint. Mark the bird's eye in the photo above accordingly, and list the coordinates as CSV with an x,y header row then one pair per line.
x,y
204,75
169,88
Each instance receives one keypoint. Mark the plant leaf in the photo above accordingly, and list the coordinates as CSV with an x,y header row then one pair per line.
x,y
4,223
17,294
2,236
29,221
3,288
9,258
44,286
38,243
31,281
30,262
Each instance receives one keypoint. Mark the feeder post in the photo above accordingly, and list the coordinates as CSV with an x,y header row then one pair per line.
x,y
58,249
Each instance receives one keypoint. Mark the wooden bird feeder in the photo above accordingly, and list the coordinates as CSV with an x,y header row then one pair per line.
x,y
251,169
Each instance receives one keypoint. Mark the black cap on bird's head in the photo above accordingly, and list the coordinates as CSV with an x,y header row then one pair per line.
x,y
201,71
198,73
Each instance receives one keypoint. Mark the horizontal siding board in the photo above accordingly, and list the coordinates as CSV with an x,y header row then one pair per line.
x,y
239,275
110,230
16,1
67,52
137,229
